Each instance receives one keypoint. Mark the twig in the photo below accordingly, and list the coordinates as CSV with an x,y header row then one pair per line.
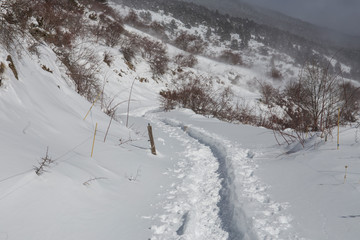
x,y
107,130
87,183
128,108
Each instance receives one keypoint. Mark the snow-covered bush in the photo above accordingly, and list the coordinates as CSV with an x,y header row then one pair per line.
x,y
191,43
155,52
186,61
110,30
11,23
231,57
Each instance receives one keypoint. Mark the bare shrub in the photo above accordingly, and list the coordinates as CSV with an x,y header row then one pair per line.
x,y
109,106
275,73
311,103
8,34
128,53
112,33
320,95
231,57
132,17
146,16
156,54
109,29
14,16
159,60
350,96
130,46
269,95
197,94
158,29
193,95
244,113
190,43
44,164
82,65
186,61
2,70
52,15
172,26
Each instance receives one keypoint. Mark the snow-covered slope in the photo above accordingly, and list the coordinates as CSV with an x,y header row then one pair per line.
x,y
77,196
209,179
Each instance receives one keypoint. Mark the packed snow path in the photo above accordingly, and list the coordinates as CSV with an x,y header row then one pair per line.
x,y
217,185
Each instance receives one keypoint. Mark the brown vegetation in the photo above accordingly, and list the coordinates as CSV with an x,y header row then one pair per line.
x,y
197,93
190,43
186,61
311,103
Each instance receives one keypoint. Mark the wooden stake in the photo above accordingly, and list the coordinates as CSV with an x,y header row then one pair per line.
x,y
92,150
151,137
92,105
346,167
338,133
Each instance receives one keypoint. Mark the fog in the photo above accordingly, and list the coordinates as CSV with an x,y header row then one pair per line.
x,y
341,15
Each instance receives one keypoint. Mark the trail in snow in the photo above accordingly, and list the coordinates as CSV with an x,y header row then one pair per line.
x,y
191,210
211,162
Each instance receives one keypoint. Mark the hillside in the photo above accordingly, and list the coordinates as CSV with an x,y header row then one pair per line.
x,y
81,80
274,18
295,38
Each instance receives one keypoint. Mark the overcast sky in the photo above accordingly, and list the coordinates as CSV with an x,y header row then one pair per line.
x,y
343,15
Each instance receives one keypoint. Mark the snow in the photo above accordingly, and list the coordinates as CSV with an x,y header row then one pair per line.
x,y
209,180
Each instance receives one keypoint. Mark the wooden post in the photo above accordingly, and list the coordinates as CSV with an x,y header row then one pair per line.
x,y
151,137
92,150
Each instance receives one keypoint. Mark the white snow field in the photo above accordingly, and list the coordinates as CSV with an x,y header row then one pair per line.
x,y
209,179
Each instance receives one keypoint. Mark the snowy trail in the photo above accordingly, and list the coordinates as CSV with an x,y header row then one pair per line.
x,y
191,210
218,197
233,219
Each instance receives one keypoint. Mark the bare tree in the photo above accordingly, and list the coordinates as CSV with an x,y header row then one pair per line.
x,y
320,95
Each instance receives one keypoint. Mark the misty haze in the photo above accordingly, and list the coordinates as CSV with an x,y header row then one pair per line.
x,y
341,15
